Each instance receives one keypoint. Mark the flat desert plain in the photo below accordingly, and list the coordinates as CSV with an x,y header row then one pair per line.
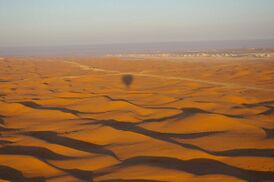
x,y
153,120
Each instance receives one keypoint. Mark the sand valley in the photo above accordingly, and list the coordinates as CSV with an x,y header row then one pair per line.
x,y
184,119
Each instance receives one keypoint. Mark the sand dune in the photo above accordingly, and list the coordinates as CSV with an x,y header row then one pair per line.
x,y
187,119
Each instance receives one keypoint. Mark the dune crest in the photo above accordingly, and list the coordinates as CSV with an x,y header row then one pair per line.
x,y
154,119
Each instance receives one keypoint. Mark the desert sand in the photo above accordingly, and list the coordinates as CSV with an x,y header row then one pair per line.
x,y
187,119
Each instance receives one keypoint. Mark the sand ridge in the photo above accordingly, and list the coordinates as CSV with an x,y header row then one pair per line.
x,y
208,119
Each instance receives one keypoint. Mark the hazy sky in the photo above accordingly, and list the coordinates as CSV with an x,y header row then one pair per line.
x,y
81,22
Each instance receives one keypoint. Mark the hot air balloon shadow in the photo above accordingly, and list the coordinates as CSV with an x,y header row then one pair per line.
x,y
127,80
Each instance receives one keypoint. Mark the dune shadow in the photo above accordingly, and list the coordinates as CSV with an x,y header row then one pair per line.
x,y
167,137
81,174
11,174
4,81
38,152
170,138
2,121
268,112
198,167
131,180
269,133
7,129
53,137
34,105
245,152
132,103
5,142
267,104
185,113
37,106
2,95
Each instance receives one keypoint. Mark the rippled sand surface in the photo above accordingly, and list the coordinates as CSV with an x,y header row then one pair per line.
x,y
195,119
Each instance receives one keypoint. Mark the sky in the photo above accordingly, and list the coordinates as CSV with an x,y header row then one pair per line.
x,y
91,22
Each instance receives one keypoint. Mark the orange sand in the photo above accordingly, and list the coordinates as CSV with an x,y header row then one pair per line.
x,y
194,119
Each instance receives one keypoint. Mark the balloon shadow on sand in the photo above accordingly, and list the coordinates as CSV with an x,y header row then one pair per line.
x,y
127,80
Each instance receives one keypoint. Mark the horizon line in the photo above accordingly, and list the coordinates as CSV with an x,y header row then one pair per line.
x,y
136,43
